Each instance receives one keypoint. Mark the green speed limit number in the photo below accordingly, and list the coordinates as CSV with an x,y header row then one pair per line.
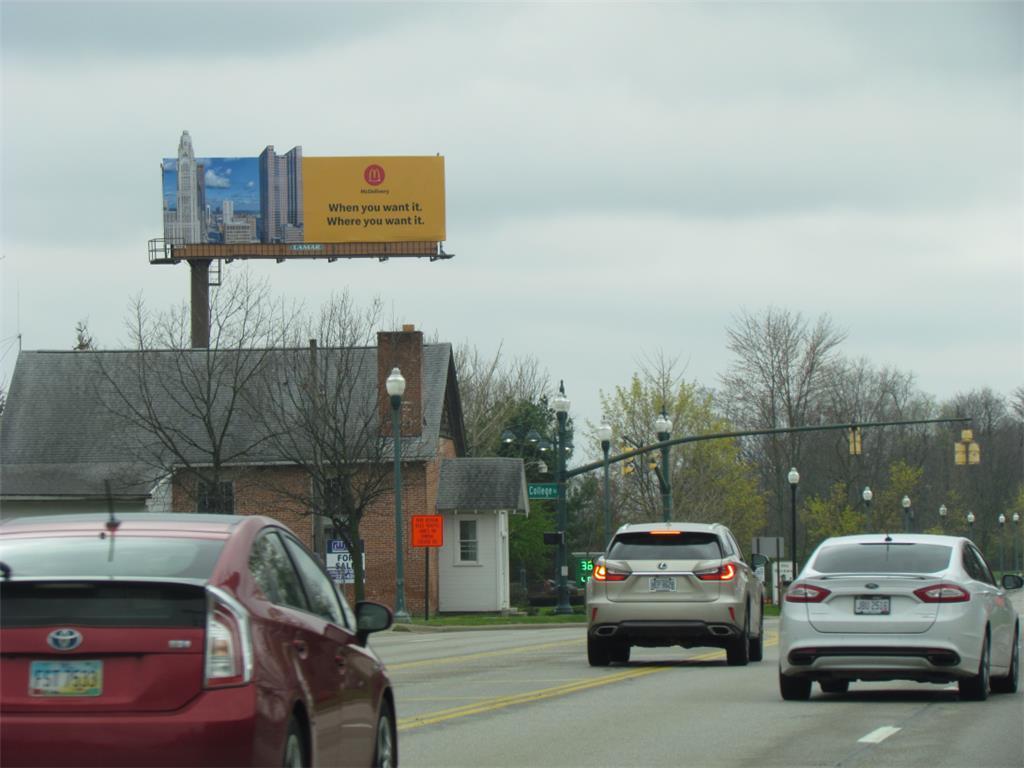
x,y
583,566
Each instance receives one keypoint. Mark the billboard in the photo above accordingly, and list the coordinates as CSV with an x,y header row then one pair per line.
x,y
291,199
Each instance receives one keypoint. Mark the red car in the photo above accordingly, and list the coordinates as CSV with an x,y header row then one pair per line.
x,y
183,640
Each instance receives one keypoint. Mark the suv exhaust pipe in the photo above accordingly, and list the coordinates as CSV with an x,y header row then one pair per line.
x,y
720,630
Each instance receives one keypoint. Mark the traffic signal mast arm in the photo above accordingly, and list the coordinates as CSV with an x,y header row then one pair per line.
x,y
748,433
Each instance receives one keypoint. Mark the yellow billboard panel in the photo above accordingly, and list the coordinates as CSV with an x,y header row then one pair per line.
x,y
373,199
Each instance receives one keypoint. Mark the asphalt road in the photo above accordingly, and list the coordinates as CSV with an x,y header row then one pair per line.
x,y
527,697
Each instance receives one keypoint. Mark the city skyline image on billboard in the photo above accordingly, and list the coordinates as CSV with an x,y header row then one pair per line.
x,y
267,199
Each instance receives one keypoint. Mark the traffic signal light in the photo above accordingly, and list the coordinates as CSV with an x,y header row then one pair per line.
x,y
854,437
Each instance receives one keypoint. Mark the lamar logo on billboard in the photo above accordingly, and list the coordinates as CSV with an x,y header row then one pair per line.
x,y
373,175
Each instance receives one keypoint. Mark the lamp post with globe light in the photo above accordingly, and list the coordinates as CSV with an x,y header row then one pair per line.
x,y
942,517
560,404
663,429
1016,539
1002,542
794,481
970,525
395,385
908,515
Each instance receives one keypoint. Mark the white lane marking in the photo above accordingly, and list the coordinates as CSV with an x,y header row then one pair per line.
x,y
879,735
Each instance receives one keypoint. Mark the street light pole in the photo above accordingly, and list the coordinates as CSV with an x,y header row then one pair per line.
x,y
561,405
1002,542
663,429
1016,539
604,434
970,525
908,515
942,517
794,480
1017,536
395,385
867,495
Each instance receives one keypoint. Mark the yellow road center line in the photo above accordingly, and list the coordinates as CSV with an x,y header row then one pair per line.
x,y
481,655
489,705
500,702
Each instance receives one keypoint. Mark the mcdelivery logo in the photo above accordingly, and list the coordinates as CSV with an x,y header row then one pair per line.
x,y
374,175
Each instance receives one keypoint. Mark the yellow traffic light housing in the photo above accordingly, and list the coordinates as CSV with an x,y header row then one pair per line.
x,y
855,444
966,451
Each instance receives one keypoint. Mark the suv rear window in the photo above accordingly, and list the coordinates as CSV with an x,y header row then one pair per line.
x,y
644,545
883,558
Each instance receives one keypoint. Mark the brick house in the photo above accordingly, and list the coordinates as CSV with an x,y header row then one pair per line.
x,y
61,444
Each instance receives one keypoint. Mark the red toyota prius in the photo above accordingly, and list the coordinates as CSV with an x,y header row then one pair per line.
x,y
183,640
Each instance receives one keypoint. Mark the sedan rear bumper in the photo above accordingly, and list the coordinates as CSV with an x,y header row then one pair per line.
x,y
218,728
945,653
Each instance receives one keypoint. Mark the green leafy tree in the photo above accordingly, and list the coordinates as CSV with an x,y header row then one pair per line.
x,y
530,432
710,482
827,516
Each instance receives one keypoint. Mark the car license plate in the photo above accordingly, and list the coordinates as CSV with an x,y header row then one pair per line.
x,y
873,605
65,678
663,584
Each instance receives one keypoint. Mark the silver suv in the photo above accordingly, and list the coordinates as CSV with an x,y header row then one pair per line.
x,y
663,584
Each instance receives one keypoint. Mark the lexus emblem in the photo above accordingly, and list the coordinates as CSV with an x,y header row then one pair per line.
x,y
64,639
871,585
662,566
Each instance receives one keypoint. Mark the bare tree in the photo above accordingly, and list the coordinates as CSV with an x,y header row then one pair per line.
x,y
318,407
709,482
491,388
182,408
777,379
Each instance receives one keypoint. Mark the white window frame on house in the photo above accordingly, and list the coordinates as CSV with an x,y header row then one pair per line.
x,y
463,541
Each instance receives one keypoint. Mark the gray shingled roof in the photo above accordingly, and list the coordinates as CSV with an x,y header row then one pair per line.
x,y
60,435
478,484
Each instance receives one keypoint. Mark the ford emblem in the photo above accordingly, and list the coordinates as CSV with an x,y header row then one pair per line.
x,y
871,585
64,639
662,566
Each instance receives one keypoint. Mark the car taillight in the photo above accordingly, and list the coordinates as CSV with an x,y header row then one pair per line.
x,y
228,658
725,572
806,593
603,573
943,593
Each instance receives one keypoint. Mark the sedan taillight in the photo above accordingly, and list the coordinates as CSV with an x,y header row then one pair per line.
x,y
228,658
943,592
725,572
603,573
806,593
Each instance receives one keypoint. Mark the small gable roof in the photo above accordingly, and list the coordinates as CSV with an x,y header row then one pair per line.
x,y
482,484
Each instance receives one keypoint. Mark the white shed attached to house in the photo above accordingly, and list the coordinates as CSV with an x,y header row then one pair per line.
x,y
476,497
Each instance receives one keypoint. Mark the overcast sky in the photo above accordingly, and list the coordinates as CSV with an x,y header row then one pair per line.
x,y
621,179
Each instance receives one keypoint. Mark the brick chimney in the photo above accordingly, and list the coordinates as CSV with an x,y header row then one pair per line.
x,y
403,350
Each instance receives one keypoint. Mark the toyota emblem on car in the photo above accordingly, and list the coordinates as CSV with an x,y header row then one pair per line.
x,y
64,639
662,566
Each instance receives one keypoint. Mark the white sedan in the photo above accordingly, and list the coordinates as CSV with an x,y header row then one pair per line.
x,y
899,607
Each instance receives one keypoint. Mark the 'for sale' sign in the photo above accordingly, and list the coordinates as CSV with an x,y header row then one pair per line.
x,y
339,562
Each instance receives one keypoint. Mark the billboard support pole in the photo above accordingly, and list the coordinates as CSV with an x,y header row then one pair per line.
x,y
200,275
